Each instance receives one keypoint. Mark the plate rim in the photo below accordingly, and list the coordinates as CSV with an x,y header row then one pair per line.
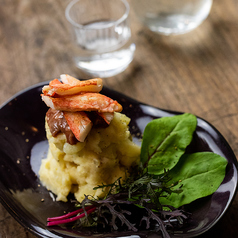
x,y
3,197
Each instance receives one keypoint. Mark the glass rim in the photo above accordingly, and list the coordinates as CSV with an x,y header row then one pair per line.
x,y
121,19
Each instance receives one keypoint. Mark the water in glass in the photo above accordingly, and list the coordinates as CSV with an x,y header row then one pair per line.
x,y
105,53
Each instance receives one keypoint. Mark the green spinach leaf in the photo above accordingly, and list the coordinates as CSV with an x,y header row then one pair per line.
x,y
199,173
165,140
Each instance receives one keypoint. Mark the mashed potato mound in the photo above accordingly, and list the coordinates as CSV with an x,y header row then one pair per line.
x,y
106,154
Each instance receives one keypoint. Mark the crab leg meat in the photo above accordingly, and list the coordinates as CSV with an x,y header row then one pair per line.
x,y
106,116
72,87
83,102
79,124
68,79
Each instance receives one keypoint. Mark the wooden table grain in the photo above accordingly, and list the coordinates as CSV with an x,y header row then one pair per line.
x,y
195,72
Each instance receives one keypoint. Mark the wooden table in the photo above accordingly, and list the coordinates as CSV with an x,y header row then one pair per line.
x,y
195,72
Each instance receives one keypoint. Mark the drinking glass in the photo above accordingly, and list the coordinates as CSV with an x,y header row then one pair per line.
x,y
172,16
101,36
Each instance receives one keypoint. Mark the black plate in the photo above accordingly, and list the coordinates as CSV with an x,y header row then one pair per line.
x,y
23,144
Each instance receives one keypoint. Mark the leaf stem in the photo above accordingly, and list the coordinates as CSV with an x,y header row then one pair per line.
x,y
64,219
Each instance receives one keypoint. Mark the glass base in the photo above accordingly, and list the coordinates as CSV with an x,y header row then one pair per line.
x,y
176,24
106,64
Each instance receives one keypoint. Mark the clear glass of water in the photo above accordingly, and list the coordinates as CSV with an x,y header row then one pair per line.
x,y
172,16
101,35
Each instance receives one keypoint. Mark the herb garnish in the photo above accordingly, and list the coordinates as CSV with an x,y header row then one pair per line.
x,y
114,211
142,194
166,180
165,141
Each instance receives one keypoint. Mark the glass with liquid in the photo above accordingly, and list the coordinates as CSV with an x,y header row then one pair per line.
x,y
172,16
101,35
